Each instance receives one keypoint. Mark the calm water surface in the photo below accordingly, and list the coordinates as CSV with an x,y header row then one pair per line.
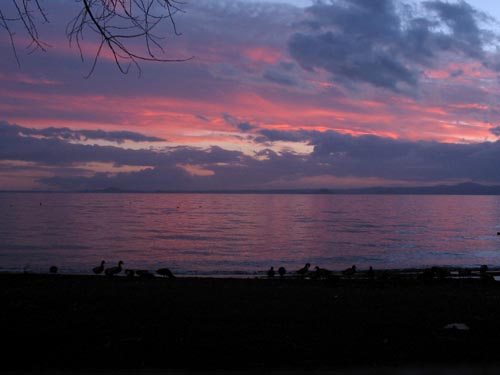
x,y
231,234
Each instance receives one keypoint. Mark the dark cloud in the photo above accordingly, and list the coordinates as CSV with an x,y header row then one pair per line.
x,y
112,136
246,172
287,65
160,178
495,131
279,77
334,154
271,135
16,144
462,19
372,156
204,118
243,126
344,155
77,135
456,73
385,43
59,152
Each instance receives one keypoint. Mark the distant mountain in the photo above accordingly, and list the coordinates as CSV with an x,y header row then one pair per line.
x,y
113,190
467,188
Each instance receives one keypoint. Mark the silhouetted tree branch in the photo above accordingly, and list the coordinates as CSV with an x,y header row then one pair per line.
x,y
117,24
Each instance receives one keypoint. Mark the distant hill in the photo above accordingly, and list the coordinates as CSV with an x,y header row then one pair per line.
x,y
467,188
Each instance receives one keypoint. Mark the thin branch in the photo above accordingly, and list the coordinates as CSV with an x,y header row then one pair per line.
x,y
116,21
5,25
127,29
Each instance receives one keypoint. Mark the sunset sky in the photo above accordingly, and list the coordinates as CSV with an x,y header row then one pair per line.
x,y
289,94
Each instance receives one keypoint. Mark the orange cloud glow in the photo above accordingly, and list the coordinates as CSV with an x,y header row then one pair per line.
x,y
262,55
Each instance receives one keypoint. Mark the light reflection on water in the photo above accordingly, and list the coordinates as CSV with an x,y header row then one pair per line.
x,y
206,233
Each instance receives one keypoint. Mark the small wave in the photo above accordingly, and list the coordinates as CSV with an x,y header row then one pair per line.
x,y
220,273
185,237
69,247
308,220
402,246
351,231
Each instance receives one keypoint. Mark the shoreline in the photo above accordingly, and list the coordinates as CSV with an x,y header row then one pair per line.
x,y
447,271
90,323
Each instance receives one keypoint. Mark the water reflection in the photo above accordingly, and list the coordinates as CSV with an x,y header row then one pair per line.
x,y
192,232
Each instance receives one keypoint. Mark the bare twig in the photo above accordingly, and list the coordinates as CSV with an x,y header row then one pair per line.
x,y
118,24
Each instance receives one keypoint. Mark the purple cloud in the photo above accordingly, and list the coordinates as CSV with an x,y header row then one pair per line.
x,y
375,42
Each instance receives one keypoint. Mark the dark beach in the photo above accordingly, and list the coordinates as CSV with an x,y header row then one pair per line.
x,y
91,323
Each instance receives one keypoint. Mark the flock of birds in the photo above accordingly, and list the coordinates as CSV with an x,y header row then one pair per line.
x,y
484,273
318,273
112,271
304,272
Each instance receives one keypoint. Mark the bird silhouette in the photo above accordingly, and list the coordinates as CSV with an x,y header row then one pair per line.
x,y
282,271
165,272
321,273
464,272
99,269
53,269
271,272
304,270
144,274
349,271
484,275
114,270
129,273
370,273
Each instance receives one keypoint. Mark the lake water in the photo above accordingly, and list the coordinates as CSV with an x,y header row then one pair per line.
x,y
216,234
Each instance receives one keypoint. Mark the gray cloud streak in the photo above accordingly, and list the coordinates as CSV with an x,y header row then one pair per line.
x,y
77,135
243,126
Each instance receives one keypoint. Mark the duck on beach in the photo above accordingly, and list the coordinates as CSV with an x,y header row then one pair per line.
x,y
370,273
271,272
99,269
321,273
441,272
304,270
114,270
282,271
349,271
130,273
165,272
464,272
484,275
144,274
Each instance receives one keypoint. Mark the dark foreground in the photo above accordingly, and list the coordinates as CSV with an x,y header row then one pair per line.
x,y
90,323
